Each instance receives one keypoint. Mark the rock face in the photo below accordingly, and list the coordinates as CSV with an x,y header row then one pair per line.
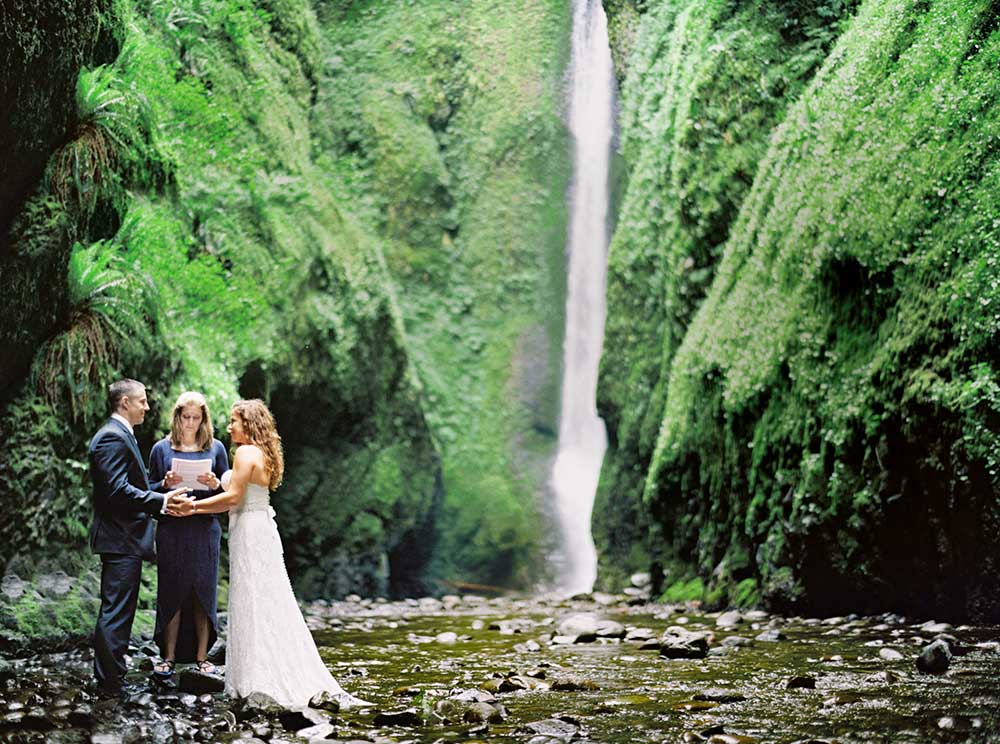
x,y
322,203
747,440
43,46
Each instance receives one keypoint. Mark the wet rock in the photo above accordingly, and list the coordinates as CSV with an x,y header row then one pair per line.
x,y
677,643
720,696
884,677
581,627
574,684
729,619
446,637
736,641
550,727
194,681
300,718
474,696
641,580
217,654
13,586
843,697
640,635
934,658
801,682
319,731
890,654
482,713
510,627
161,733
54,585
694,706
407,717
772,634
262,730
522,682
956,648
325,700
257,704
407,691
610,629
731,739
531,646
491,685
933,628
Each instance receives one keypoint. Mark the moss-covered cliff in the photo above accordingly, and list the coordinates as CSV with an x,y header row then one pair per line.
x,y
349,210
809,240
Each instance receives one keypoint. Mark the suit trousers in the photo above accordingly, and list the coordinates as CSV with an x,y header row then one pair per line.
x,y
120,576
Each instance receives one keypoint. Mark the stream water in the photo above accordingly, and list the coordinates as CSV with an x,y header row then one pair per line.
x,y
764,679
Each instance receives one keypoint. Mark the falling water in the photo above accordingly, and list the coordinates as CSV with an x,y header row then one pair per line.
x,y
582,438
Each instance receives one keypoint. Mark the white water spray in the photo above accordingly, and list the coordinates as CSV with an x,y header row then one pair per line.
x,y
582,437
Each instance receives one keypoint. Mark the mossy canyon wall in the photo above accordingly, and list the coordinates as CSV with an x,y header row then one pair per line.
x,y
351,209
803,402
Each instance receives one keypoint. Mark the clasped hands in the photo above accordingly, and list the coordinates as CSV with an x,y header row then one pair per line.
x,y
179,504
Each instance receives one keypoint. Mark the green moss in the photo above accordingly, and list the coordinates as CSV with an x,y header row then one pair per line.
x,y
745,594
684,590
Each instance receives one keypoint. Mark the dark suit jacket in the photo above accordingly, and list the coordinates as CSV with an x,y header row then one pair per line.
x,y
123,502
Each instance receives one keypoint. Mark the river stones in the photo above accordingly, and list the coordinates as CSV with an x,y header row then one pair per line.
x,y
678,643
574,684
800,682
406,717
556,728
890,654
934,658
194,681
581,627
720,696
772,635
729,619
325,700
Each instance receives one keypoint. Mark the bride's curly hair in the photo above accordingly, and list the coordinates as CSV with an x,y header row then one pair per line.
x,y
260,429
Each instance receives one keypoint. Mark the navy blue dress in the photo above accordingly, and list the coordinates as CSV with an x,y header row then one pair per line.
x,y
187,554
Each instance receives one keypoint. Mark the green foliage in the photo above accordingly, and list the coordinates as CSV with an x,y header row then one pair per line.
x,y
444,130
109,305
684,590
707,81
43,480
836,387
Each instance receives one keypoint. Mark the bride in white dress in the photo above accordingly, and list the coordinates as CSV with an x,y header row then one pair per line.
x,y
270,648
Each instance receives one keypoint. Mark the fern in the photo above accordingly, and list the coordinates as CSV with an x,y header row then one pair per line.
x,y
109,307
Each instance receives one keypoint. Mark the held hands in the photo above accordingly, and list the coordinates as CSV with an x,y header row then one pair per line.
x,y
179,504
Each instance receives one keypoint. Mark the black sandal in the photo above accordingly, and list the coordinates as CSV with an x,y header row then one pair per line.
x,y
206,667
164,668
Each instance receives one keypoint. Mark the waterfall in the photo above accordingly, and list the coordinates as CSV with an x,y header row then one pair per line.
x,y
582,437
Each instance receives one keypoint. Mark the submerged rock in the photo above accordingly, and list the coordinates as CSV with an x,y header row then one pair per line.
x,y
934,658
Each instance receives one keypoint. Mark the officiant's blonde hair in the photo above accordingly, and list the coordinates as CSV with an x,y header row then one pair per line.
x,y
260,429
205,430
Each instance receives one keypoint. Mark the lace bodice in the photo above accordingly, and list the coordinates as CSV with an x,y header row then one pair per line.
x,y
256,498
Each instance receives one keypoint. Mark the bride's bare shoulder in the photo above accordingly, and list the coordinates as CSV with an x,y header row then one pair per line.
x,y
249,452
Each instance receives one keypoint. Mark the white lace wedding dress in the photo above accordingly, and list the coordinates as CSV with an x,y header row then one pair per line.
x,y
269,648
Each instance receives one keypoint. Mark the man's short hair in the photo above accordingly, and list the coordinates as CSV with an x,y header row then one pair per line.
x,y
119,389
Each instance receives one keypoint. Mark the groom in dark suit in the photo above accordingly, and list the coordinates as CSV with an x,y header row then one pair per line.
x,y
122,530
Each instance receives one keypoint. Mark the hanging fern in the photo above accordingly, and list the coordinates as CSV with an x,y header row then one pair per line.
x,y
110,306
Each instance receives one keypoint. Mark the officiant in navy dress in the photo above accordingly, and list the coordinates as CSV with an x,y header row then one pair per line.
x,y
187,549
122,528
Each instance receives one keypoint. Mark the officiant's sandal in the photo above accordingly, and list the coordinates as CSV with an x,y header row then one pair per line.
x,y
206,667
164,669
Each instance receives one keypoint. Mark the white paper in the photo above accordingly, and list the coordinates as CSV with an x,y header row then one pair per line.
x,y
189,470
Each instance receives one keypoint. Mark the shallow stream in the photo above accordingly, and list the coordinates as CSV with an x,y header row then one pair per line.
x,y
789,680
